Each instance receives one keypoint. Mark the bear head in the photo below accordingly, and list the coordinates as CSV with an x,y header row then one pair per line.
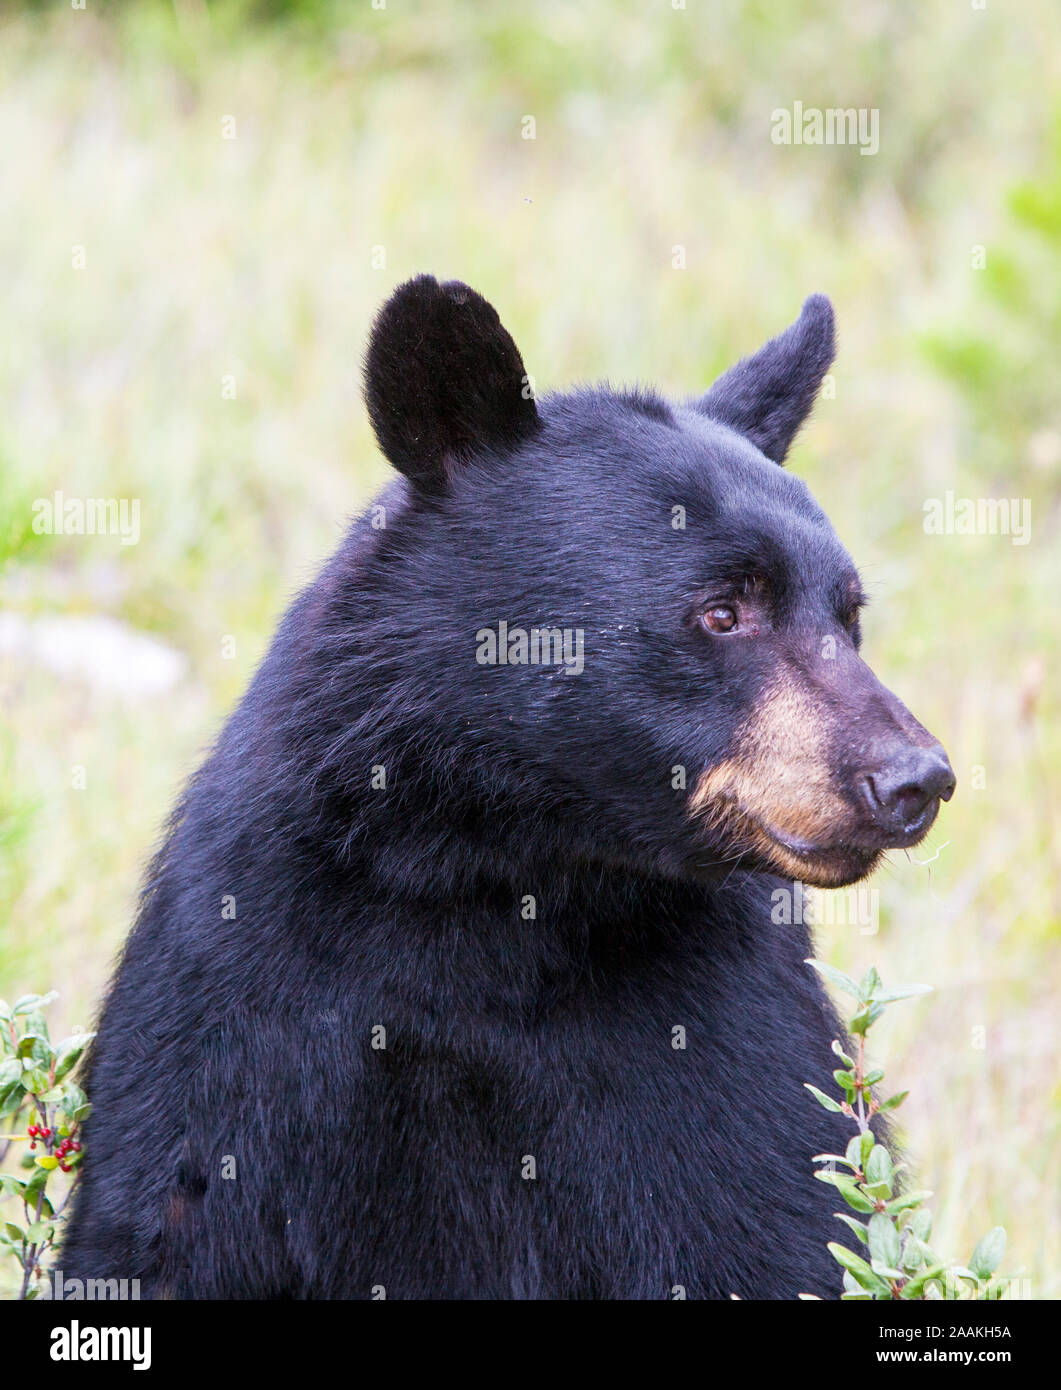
x,y
629,608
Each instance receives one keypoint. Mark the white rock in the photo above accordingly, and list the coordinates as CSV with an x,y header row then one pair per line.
x,y
108,655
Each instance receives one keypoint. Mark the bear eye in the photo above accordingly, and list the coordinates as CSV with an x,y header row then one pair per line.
x,y
853,612
720,618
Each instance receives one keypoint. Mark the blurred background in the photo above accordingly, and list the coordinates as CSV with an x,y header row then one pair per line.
x,y
203,205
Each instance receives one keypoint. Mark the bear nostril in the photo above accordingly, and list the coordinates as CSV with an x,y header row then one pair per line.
x,y
908,802
898,794
868,789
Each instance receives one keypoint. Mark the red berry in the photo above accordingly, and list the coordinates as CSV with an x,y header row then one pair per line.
x,y
46,1133
34,1144
32,1131
65,1167
75,1144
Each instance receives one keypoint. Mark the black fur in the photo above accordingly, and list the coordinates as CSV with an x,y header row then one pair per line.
x,y
767,397
443,381
251,1037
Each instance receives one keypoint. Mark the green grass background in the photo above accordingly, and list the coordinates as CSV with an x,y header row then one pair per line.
x,y
401,128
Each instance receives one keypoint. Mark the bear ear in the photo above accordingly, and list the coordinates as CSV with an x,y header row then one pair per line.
x,y
768,396
443,381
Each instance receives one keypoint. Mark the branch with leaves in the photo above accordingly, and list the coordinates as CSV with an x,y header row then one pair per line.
x,y
899,1263
43,1108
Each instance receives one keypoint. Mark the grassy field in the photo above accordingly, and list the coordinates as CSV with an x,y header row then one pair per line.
x,y
201,213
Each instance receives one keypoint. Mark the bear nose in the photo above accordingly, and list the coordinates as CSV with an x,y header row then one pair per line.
x,y
899,792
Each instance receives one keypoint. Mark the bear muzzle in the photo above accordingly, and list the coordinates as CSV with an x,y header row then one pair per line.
x,y
819,790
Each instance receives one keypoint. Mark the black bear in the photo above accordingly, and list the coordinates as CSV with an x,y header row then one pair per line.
x,y
456,975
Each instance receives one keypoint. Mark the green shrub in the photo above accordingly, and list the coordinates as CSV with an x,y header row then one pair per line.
x,y
42,1108
892,1224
